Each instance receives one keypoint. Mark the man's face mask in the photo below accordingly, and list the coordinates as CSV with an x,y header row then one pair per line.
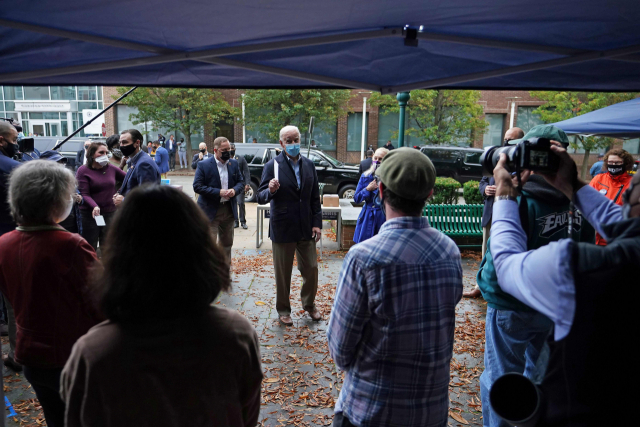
x,y
615,169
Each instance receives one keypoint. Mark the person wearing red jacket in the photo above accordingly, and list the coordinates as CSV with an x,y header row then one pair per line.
x,y
615,180
44,274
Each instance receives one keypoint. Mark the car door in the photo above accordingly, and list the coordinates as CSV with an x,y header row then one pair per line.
x,y
471,169
324,169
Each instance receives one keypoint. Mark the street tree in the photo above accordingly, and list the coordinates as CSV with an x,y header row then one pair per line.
x,y
566,105
271,109
187,110
438,117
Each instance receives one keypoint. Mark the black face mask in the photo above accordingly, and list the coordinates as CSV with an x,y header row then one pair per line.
x,y
615,169
127,150
225,155
11,149
233,153
203,151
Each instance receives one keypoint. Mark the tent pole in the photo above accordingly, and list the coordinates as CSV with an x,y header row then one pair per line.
x,y
403,98
364,127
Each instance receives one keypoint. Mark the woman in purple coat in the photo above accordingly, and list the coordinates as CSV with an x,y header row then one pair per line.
x,y
371,217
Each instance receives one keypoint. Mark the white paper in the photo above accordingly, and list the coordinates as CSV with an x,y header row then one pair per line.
x,y
100,220
275,169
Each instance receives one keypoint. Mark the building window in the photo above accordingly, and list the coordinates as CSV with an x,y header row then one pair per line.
x,y
388,129
632,146
325,135
13,92
87,93
354,131
36,93
526,118
63,93
493,135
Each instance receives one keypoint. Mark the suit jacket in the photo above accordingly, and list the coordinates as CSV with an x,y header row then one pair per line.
x,y
141,171
6,220
80,158
294,211
488,201
244,167
196,159
173,149
162,159
365,165
208,185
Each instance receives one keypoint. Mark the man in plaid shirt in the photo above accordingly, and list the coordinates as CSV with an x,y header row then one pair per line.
x,y
393,318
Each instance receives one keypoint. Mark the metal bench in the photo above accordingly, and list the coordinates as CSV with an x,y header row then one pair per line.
x,y
456,220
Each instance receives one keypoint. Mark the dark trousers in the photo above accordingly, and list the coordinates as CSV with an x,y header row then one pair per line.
x,y
172,160
340,420
46,384
241,209
93,233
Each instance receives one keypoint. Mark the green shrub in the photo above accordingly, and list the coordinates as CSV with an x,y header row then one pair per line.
x,y
445,192
471,192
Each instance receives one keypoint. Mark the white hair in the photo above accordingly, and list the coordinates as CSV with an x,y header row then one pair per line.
x,y
372,169
39,191
288,129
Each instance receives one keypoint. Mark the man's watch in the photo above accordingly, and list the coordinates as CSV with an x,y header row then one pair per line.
x,y
507,197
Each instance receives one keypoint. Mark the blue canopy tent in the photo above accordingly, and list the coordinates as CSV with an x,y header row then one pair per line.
x,y
380,45
619,121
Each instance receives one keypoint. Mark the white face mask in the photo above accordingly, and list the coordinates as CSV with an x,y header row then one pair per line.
x,y
67,210
102,160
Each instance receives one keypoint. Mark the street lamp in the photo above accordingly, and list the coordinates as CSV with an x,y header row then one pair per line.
x,y
403,98
364,124
513,108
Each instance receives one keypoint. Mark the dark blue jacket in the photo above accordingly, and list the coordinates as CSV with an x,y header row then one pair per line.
x,y
6,220
174,147
371,216
294,211
487,211
162,160
144,170
208,185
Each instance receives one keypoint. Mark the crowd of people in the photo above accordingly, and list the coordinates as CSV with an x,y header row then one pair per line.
x,y
95,333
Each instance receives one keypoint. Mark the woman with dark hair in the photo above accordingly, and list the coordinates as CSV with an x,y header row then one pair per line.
x,y
97,183
615,179
166,356
44,274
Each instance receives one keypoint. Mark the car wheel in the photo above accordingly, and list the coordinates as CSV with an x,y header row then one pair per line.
x,y
251,195
347,192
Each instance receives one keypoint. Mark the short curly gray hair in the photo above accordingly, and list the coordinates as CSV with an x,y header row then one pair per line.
x,y
39,191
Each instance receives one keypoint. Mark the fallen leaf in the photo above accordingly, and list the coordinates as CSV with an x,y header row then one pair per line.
x,y
458,417
271,380
261,303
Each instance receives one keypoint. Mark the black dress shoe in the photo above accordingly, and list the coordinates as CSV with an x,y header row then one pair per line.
x,y
236,225
244,225
10,363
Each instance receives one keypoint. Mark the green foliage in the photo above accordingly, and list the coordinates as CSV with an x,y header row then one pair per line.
x,y
444,117
188,110
272,109
445,192
565,105
471,192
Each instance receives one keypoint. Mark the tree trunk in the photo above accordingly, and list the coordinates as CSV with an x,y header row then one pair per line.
x,y
585,165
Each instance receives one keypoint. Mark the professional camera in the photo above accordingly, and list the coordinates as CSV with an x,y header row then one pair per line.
x,y
15,125
533,154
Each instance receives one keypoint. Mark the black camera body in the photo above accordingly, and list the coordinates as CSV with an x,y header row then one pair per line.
x,y
533,154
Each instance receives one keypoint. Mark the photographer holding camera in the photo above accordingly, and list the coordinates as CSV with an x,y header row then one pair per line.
x,y
581,287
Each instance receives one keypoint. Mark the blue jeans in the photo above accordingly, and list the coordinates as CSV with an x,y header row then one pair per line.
x,y
514,342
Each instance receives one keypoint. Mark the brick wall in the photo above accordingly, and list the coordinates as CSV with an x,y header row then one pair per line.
x,y
110,94
347,236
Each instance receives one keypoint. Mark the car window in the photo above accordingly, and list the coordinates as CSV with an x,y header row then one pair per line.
x,y
472,158
314,158
249,153
442,155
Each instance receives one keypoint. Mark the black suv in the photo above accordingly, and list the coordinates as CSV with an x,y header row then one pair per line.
x,y
68,150
459,163
337,177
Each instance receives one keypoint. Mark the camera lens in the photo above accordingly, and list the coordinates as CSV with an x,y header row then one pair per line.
x,y
491,156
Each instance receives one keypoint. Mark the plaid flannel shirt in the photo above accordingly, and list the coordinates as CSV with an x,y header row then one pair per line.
x,y
392,325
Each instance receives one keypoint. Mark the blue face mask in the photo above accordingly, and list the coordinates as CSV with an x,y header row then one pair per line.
x,y
293,149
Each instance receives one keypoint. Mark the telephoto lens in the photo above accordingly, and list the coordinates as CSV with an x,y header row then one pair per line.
x,y
532,154
489,159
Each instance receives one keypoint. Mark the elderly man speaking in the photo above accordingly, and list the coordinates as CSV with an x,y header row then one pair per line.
x,y
290,184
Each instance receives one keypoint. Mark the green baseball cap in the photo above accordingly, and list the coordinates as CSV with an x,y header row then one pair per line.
x,y
408,173
547,131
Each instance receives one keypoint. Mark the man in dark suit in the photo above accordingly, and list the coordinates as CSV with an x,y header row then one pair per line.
x,y
389,146
81,153
200,156
244,168
142,168
366,163
290,184
172,146
488,190
218,180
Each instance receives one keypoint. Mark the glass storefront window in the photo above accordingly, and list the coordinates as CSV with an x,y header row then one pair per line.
x,y
65,128
36,93
63,93
51,115
99,88
354,131
9,106
87,106
388,128
87,93
526,119
38,116
493,133
13,92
